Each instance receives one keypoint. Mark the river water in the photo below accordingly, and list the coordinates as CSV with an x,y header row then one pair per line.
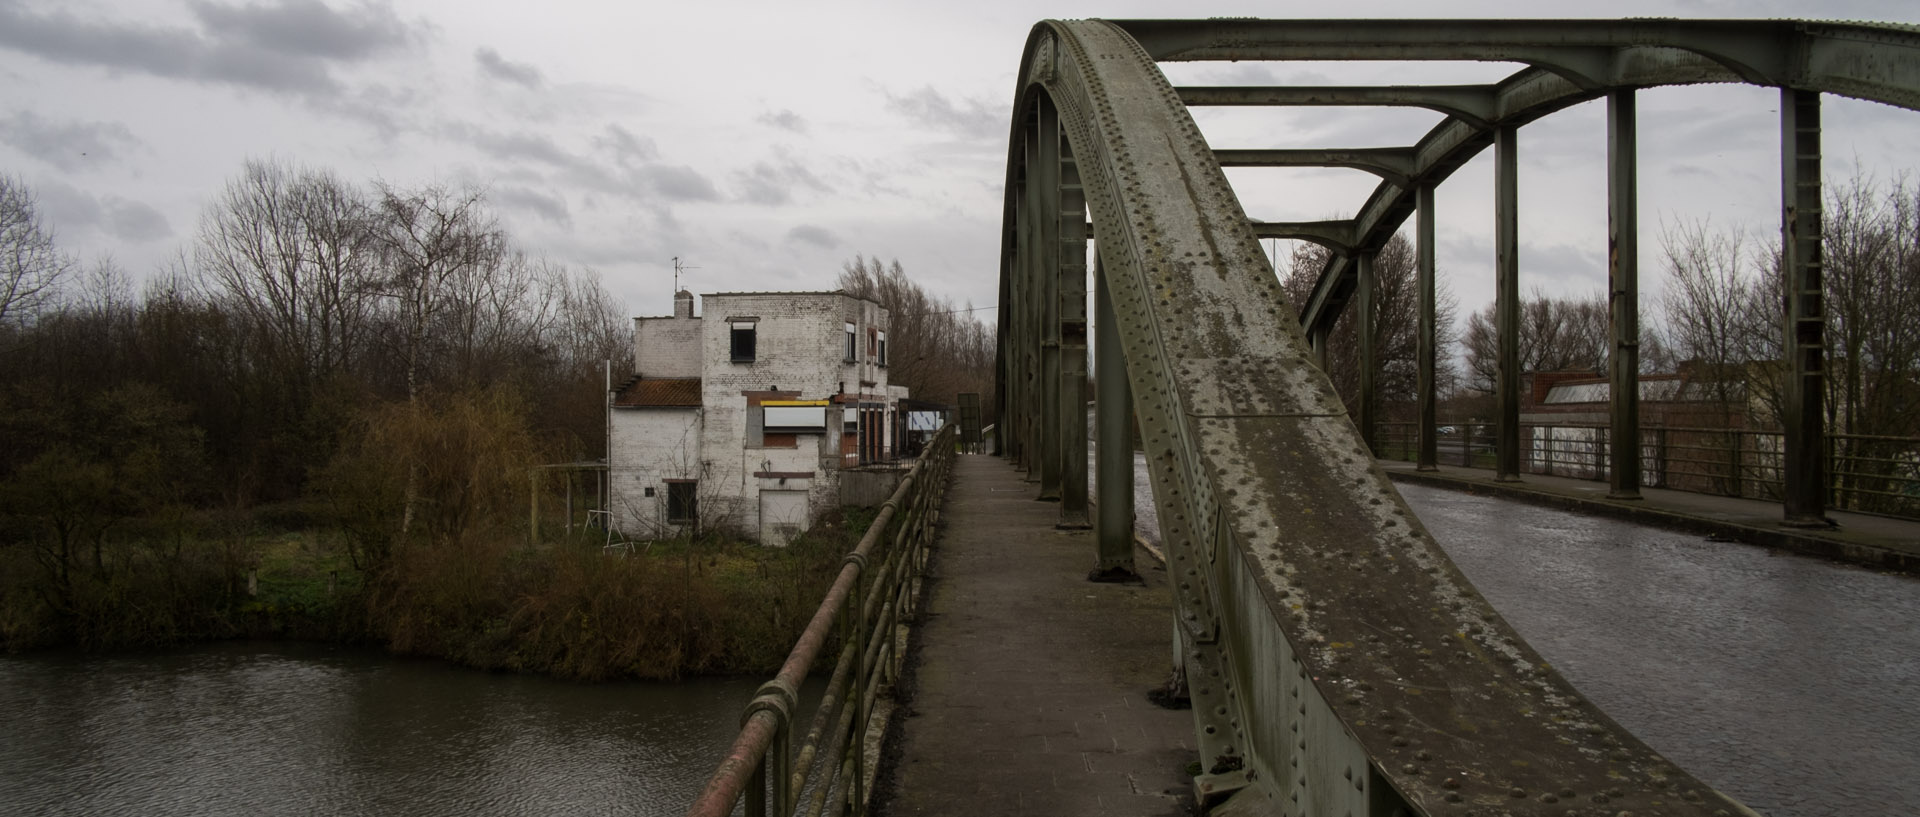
x,y
250,729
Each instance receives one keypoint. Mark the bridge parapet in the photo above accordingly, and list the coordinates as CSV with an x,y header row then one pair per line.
x,y
876,590
1339,663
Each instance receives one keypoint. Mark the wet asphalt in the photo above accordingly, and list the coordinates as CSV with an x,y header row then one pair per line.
x,y
1790,683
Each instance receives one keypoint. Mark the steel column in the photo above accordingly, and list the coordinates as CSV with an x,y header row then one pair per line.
x,y
1364,325
1506,300
1033,427
1623,274
1044,193
1113,528
1427,349
1805,490
1070,248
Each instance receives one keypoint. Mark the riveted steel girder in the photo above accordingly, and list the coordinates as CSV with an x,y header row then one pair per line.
x,y
1393,164
1572,61
1339,662
1338,236
1470,103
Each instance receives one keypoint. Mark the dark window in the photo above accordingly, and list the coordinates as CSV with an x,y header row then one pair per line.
x,y
743,343
683,501
853,349
883,348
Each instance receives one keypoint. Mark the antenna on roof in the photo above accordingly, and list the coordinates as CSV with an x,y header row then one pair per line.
x,y
677,268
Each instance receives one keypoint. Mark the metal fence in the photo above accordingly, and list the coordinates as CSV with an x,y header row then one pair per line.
x,y
878,585
1873,474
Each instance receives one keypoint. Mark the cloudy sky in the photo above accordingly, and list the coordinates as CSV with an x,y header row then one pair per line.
x,y
768,143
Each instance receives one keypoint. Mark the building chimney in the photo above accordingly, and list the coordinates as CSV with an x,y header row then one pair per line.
x,y
683,304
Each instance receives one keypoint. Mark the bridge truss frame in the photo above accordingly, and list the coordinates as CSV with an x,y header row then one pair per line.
x,y
1339,662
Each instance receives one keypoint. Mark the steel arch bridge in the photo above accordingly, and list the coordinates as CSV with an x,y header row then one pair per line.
x,y
1339,663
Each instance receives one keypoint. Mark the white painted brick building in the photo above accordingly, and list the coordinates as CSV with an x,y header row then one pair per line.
x,y
744,416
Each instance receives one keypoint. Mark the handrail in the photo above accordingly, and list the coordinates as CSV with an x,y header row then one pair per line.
x,y
864,615
1868,473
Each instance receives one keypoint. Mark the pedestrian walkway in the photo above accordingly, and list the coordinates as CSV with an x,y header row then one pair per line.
x,y
1875,541
1028,693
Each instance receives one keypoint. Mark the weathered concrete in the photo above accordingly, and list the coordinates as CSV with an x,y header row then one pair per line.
x,y
1028,692
1874,541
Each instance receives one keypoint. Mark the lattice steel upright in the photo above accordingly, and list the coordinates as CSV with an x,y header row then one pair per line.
x,y
1506,300
1043,191
1113,529
1033,316
1623,276
1805,489
1426,348
1070,218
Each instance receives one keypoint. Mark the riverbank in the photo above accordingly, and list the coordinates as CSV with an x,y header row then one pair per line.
x,y
568,608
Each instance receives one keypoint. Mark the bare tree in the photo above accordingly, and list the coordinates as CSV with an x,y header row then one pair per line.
x,y
428,239
1722,311
31,266
935,349
1556,335
1396,324
289,248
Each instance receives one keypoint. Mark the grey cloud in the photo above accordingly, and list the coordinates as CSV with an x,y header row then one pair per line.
x,y
69,145
784,119
309,27
634,173
774,182
517,145
678,183
500,68
71,209
134,222
627,149
810,234
549,207
289,46
968,118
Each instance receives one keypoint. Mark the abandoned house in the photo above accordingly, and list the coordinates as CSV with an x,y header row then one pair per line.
x,y
744,416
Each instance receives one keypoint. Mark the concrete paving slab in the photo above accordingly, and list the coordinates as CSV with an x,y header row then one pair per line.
x,y
1026,691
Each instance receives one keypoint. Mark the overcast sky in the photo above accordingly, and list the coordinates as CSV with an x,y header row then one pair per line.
x,y
768,143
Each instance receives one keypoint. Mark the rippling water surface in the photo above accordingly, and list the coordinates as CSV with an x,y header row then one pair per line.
x,y
248,729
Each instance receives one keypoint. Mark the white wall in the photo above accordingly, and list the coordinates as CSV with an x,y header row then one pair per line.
x,y
650,445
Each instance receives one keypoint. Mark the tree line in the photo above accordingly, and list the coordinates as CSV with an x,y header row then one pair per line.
x,y
319,342
937,350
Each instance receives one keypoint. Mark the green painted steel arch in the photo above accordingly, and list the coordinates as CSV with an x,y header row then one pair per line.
x,y
1339,662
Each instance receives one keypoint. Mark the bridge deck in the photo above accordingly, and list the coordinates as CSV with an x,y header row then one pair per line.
x,y
1028,693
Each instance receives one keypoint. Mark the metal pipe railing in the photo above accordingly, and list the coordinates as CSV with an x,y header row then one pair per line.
x,y
1865,472
863,607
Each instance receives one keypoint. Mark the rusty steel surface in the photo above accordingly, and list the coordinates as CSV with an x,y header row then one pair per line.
x,y
1339,662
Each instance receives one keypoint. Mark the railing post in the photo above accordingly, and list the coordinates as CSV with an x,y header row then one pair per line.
x,y
1735,466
